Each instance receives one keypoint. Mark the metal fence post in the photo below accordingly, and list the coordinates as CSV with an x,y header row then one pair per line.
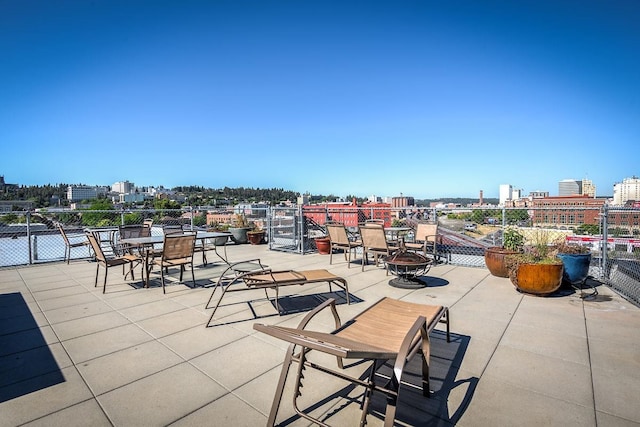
x,y
29,236
605,241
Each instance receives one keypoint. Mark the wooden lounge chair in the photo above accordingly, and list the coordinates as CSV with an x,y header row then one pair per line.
x,y
390,330
340,240
257,276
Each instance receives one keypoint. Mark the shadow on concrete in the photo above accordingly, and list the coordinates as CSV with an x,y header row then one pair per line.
x,y
26,362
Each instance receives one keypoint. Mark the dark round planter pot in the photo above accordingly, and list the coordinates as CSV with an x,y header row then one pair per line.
x,y
255,237
537,279
576,268
494,260
323,244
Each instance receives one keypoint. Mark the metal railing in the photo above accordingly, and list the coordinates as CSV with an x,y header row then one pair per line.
x,y
32,237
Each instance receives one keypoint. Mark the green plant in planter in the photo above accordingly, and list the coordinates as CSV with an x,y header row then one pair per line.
x,y
256,234
512,239
239,229
241,221
537,270
562,247
494,257
538,251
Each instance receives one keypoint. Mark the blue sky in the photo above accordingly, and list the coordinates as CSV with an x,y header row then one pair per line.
x,y
425,98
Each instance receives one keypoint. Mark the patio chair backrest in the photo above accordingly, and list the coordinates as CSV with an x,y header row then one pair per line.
x,y
172,229
337,233
95,245
131,231
63,234
426,232
178,246
373,236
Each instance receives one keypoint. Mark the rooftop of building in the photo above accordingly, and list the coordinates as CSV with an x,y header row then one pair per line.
x,y
134,356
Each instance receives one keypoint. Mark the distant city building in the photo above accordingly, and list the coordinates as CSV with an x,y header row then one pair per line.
x,y
131,198
538,194
508,195
627,190
566,211
348,213
588,189
402,201
9,205
506,191
569,187
81,192
4,187
123,187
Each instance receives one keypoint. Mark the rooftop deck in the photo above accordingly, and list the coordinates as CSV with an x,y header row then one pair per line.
x,y
70,355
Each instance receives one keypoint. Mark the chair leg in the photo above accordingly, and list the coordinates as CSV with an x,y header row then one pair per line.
x,y
104,284
162,271
275,405
95,285
365,258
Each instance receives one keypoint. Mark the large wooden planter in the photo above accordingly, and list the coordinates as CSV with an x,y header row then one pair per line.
x,y
494,259
537,279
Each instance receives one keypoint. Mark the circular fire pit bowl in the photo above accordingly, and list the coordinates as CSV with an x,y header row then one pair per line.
x,y
407,267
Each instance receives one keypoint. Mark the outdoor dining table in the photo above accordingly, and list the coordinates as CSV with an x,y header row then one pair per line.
x,y
395,232
106,236
147,243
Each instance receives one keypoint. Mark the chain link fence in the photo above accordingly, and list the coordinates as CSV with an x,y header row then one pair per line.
x,y
464,234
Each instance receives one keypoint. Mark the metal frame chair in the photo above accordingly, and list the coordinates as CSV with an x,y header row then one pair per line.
x,y
177,251
390,330
427,240
108,262
339,238
374,241
72,244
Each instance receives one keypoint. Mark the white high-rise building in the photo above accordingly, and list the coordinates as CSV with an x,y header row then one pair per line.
x,y
628,189
81,192
123,187
506,193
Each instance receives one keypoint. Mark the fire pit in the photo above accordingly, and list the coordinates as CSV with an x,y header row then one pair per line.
x,y
407,267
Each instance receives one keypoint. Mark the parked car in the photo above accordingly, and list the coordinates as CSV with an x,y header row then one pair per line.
x,y
470,226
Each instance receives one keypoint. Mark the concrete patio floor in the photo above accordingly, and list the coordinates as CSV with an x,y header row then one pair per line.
x,y
70,355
